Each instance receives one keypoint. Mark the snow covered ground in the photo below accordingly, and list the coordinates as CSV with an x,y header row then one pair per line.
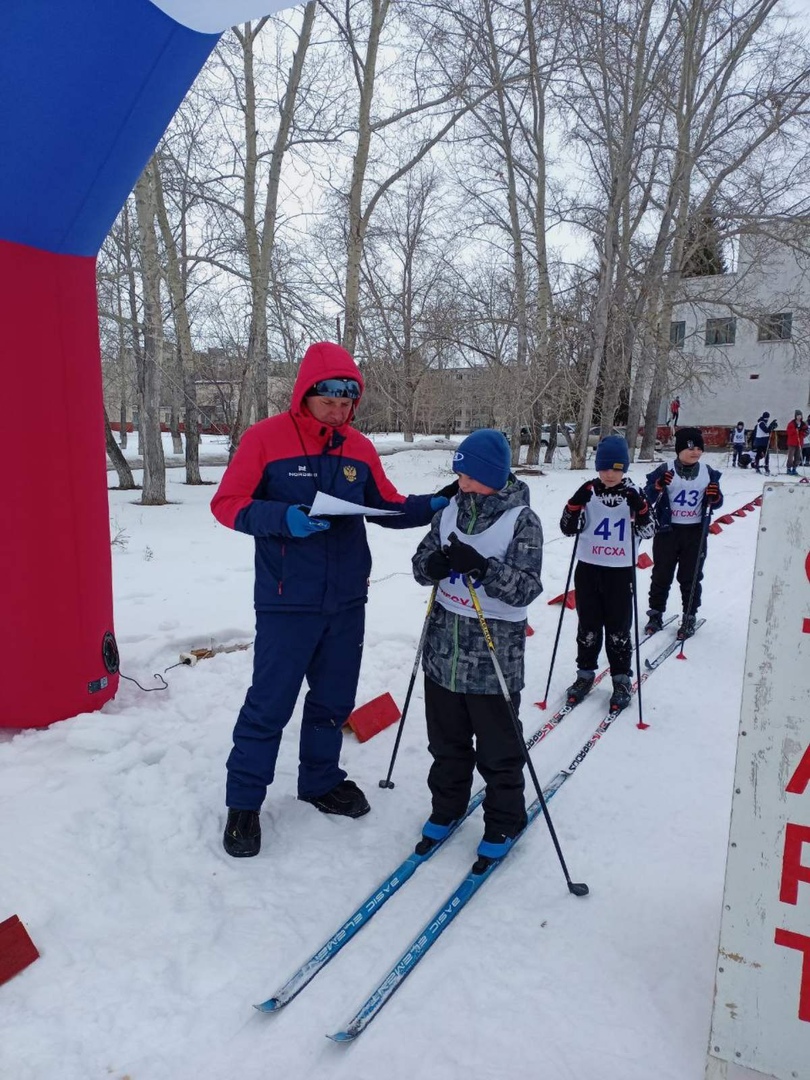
x,y
155,944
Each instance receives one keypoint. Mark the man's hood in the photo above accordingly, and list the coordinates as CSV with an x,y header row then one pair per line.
x,y
324,360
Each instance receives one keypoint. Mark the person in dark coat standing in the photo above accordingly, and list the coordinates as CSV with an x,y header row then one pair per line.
x,y
680,492
468,720
311,585
761,441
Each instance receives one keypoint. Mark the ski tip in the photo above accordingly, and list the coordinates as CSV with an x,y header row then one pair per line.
x,y
342,1037
271,1005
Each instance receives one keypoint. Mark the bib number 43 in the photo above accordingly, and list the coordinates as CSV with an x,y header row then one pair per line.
x,y
687,498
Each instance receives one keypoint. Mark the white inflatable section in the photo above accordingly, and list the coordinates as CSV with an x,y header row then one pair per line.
x,y
214,16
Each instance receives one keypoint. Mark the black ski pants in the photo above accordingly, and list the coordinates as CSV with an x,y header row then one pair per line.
x,y
679,550
454,720
604,598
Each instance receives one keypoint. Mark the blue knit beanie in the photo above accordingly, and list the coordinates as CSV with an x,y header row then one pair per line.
x,y
485,456
612,453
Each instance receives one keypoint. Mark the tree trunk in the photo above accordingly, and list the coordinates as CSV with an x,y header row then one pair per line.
x,y
260,237
126,481
154,466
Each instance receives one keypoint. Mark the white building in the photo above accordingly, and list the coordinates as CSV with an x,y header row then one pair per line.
x,y
744,339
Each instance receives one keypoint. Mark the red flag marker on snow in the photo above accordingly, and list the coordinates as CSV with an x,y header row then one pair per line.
x,y
17,950
567,598
373,717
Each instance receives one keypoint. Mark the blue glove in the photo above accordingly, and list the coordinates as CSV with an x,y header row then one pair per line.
x,y
438,502
300,524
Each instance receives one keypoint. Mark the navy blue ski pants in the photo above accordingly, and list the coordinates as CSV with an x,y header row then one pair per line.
x,y
292,646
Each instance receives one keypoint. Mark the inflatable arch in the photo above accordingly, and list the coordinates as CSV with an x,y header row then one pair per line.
x,y
88,89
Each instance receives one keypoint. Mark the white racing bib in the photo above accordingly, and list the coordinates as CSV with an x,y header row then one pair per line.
x,y
605,538
686,496
493,542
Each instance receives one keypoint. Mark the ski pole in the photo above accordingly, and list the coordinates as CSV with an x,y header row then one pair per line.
x,y
704,534
542,703
640,725
388,782
577,888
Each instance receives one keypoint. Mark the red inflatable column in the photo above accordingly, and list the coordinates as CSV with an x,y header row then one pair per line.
x,y
55,562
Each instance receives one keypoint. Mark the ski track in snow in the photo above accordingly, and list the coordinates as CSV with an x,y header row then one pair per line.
x,y
155,944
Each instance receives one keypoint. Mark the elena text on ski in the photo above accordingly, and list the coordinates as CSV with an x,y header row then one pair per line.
x,y
603,511
311,585
683,494
468,719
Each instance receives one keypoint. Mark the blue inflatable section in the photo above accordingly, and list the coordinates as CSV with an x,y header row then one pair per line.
x,y
72,146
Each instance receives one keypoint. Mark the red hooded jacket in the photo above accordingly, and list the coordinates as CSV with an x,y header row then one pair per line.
x,y
284,461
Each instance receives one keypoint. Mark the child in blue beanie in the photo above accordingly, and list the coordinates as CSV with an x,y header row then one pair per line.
x,y
468,718
603,511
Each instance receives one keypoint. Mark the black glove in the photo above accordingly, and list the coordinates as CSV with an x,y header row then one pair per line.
x,y
665,480
449,490
634,498
581,496
437,566
464,559
773,425
713,492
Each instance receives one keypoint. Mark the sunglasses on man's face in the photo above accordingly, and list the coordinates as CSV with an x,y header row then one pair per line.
x,y
337,388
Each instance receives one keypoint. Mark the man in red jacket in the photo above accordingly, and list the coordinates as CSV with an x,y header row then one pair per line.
x,y
311,585
796,431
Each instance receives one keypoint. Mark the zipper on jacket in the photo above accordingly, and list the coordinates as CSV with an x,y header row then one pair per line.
x,y
454,663
281,576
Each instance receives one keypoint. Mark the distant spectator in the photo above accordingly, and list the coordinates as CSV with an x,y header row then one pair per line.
x,y
674,411
796,431
737,443
761,441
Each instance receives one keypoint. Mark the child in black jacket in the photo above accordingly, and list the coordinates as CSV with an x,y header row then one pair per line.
x,y
680,492
603,511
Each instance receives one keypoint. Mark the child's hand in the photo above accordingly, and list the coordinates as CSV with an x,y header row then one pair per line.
x,y
635,500
664,481
464,559
713,492
581,496
437,566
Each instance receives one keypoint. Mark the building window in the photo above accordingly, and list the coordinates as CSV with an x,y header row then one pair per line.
x,y
677,333
721,331
776,327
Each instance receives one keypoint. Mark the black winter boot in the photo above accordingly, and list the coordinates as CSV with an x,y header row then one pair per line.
x,y
687,627
580,689
655,621
243,834
436,829
621,696
345,799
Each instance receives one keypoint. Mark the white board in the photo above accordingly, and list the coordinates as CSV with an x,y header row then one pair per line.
x,y
761,1016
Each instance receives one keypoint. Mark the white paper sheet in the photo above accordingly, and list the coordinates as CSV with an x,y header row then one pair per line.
x,y
328,506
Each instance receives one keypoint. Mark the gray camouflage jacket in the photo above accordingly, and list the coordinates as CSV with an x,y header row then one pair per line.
x,y
455,654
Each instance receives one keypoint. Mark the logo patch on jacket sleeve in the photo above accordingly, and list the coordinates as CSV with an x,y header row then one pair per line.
x,y
350,473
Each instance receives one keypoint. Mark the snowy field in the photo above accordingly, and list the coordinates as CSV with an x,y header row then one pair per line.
x,y
155,944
